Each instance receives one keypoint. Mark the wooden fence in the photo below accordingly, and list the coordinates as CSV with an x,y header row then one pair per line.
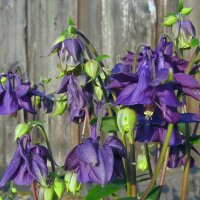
x,y
29,27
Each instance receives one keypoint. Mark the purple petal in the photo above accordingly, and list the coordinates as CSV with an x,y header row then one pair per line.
x,y
12,168
186,80
87,152
63,85
195,93
102,173
75,48
26,104
8,102
116,143
83,172
125,77
71,162
189,118
22,176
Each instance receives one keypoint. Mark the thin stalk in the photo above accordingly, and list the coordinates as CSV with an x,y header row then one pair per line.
x,y
48,145
160,162
162,178
187,164
193,59
94,51
88,121
133,176
127,172
148,159
33,187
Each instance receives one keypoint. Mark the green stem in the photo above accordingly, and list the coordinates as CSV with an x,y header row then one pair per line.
x,y
132,166
160,162
193,59
94,51
148,159
127,172
48,145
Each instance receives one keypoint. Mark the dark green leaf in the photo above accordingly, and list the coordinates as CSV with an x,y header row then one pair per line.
x,y
195,139
154,194
108,124
101,57
97,192
70,21
180,5
194,42
182,128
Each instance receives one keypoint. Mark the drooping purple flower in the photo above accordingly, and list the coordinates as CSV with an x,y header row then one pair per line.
x,y
28,164
77,98
97,164
14,95
70,51
178,156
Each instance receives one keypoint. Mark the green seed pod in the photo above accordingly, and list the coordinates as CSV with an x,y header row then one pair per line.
x,y
21,129
48,193
126,120
142,162
59,187
91,68
71,182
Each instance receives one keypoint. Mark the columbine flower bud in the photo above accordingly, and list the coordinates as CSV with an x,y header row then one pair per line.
x,y
91,68
184,31
21,129
71,182
126,120
142,162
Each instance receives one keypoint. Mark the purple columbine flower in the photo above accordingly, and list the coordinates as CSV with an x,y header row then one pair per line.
x,y
77,98
97,164
70,51
28,164
15,95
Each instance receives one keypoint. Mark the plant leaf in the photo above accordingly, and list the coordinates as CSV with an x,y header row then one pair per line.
x,y
101,57
153,195
70,21
97,192
180,5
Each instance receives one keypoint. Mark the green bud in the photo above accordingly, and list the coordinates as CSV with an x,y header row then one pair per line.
x,y
48,193
3,81
37,101
71,182
59,187
91,68
61,105
186,11
98,92
72,29
21,129
170,20
126,120
142,162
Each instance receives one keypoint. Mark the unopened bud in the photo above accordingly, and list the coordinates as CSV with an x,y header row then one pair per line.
x,y
71,182
91,68
21,129
142,162
126,120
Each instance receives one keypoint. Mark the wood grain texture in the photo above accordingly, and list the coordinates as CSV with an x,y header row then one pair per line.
x,y
46,20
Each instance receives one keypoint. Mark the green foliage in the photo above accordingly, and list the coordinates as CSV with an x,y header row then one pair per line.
x,y
70,21
101,57
59,187
97,192
108,124
48,193
180,5
21,129
195,42
170,20
195,140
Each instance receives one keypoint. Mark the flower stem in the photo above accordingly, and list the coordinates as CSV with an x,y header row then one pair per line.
x,y
48,145
192,61
94,51
160,162
127,172
33,187
148,159
132,167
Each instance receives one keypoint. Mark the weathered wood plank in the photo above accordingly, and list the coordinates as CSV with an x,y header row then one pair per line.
x,y
46,19
12,51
